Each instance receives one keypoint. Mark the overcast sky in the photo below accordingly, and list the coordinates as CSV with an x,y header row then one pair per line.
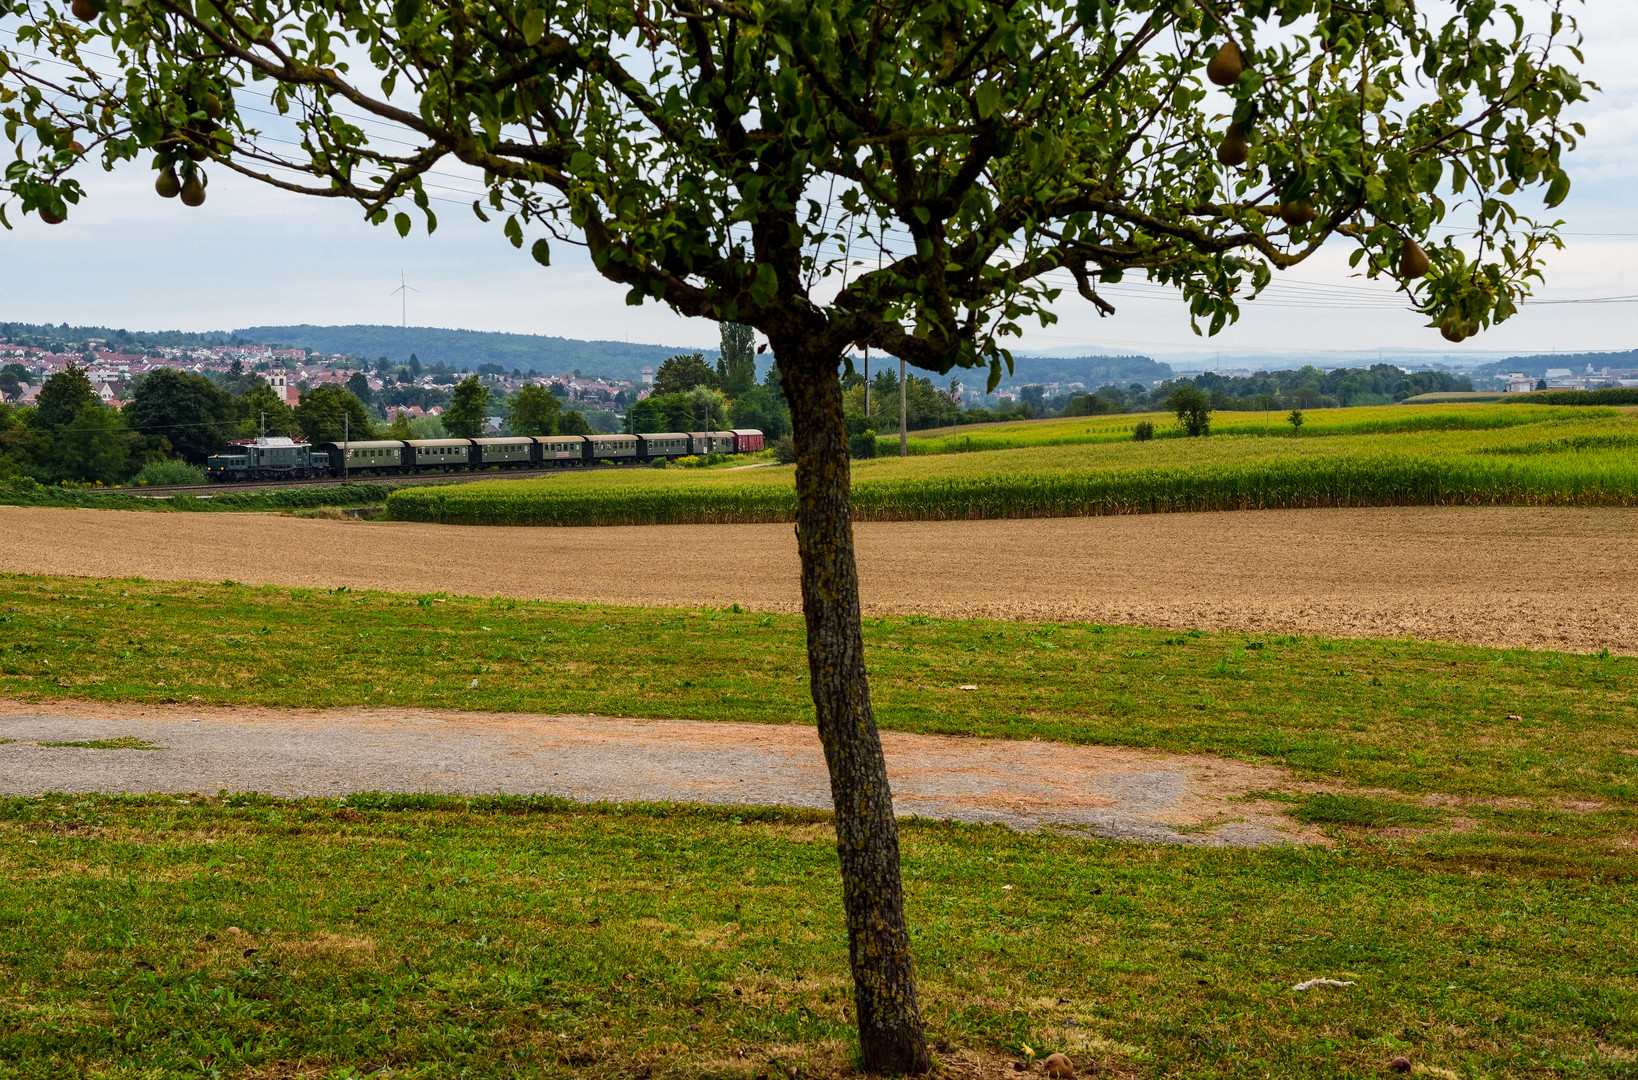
x,y
252,256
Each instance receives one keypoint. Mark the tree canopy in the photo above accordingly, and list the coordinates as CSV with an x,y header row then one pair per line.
x,y
534,411
62,396
321,411
261,409
972,147
188,410
682,373
467,408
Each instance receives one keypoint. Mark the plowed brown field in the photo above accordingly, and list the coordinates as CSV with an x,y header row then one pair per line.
x,y
1560,578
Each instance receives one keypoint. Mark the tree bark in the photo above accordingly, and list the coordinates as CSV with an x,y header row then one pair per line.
x,y
891,1037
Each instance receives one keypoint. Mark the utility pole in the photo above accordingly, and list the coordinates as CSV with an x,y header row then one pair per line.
x,y
264,423
867,384
904,445
345,452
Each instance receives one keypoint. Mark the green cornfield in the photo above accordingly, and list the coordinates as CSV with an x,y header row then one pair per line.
x,y
1318,423
1573,457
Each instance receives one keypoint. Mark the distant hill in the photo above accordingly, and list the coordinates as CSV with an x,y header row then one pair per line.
x,y
1093,371
1577,362
49,335
469,348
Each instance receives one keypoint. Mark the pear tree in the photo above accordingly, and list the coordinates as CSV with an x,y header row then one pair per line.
x,y
922,179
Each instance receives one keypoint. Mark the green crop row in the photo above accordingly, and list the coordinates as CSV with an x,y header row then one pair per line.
x,y
1614,395
1590,479
24,493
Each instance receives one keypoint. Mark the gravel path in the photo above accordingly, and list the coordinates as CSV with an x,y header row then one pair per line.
x,y
1114,792
1504,576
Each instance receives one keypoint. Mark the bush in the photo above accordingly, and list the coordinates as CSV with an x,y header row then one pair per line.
x,y
862,445
784,449
169,472
1144,431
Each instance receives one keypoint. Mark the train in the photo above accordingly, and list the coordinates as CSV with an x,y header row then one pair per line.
x,y
282,458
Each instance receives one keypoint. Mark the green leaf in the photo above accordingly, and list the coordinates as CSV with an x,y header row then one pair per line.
x,y
534,27
1559,189
402,223
514,231
988,99
542,252
764,285
405,12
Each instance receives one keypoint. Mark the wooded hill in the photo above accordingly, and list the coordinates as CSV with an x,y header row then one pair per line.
x,y
466,349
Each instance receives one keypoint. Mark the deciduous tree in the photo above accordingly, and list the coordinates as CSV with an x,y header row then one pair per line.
x,y
682,373
1192,408
918,178
94,447
62,396
328,413
574,423
534,412
467,408
187,409
260,410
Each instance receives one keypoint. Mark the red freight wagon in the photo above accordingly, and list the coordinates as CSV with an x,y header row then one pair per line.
x,y
747,440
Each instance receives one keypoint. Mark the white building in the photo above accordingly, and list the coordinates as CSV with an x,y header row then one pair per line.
x,y
281,386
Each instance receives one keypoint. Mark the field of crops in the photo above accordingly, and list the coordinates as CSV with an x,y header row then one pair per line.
x,y
1392,456
1317,423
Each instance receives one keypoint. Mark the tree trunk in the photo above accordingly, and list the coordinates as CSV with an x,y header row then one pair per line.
x,y
891,1039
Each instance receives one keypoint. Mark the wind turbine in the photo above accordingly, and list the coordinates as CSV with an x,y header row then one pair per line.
x,y
402,292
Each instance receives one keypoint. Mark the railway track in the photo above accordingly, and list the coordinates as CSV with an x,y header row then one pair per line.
x,y
420,480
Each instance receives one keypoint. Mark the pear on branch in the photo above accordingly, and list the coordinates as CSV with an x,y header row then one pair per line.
x,y
193,189
168,186
1413,261
1297,213
1224,69
1234,150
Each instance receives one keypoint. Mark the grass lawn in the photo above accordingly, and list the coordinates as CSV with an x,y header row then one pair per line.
x,y
1479,891
425,937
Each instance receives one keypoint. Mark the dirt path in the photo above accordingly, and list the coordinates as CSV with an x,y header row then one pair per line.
x,y
1505,576
1116,792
